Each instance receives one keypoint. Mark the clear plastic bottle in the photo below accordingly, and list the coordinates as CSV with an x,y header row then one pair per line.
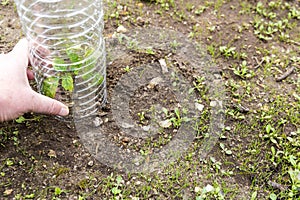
x,y
67,51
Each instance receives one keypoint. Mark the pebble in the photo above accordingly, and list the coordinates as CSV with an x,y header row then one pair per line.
x,y
138,183
90,163
163,65
121,29
126,125
199,106
125,139
146,128
140,20
165,124
197,189
52,153
97,121
154,82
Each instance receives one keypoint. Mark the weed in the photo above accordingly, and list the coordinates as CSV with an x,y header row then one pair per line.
x,y
5,2
243,71
228,51
127,69
175,117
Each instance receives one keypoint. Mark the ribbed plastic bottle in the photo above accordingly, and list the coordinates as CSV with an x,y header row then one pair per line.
x,y
67,51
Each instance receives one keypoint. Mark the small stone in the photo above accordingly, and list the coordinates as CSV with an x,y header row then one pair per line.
x,y
140,21
97,121
213,103
52,153
138,182
146,128
209,188
163,65
154,82
121,29
197,189
199,106
165,124
90,163
106,120
125,139
126,125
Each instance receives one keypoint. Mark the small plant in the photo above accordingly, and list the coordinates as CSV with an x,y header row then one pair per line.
x,y
175,118
200,10
67,70
150,51
243,71
127,69
209,192
294,176
225,150
227,51
141,115
174,45
117,185
4,2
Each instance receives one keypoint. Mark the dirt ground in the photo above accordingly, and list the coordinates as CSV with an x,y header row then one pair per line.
x,y
254,155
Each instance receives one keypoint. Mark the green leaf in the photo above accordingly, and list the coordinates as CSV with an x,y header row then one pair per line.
x,y
58,64
116,191
177,112
49,86
99,78
222,146
67,82
268,128
119,179
273,140
273,196
29,196
228,152
20,120
72,56
57,191
88,52
165,111
254,195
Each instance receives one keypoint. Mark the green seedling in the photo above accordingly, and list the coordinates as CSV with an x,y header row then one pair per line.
x,y
68,69
225,150
141,116
228,51
116,190
176,118
150,51
4,2
127,69
243,71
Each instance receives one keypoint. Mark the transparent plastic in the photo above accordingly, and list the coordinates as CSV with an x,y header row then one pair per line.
x,y
67,51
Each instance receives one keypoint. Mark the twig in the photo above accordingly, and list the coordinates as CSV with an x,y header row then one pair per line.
x,y
277,185
258,63
286,74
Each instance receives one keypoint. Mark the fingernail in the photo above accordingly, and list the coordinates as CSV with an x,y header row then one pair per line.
x,y
64,111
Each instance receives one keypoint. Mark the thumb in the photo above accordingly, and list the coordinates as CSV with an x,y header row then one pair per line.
x,y
21,50
47,105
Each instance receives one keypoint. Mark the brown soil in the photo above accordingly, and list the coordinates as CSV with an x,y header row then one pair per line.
x,y
48,153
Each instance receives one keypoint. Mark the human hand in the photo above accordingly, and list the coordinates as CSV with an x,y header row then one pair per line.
x,y
16,95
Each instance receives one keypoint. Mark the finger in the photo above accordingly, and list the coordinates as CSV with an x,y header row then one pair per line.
x,y
30,74
46,105
21,51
